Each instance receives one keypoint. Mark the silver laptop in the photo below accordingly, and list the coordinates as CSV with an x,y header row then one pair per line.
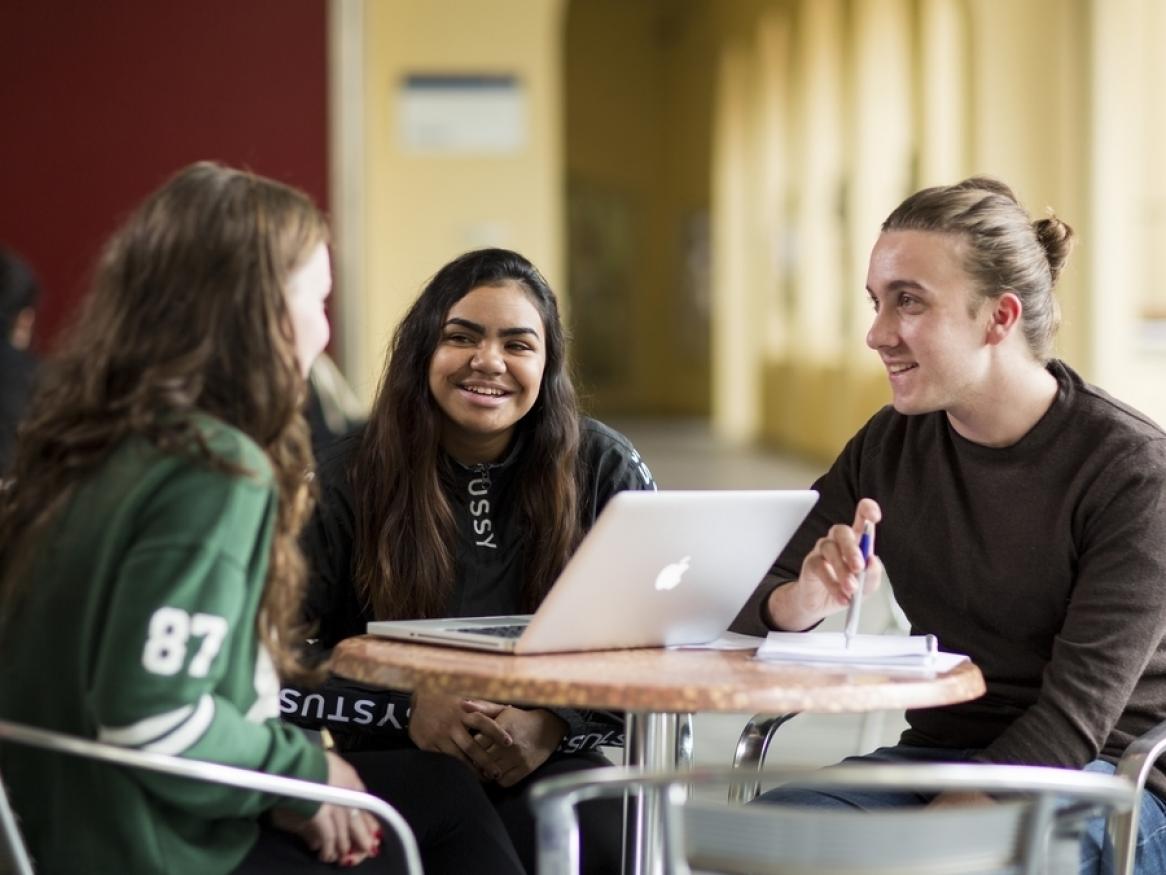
x,y
656,569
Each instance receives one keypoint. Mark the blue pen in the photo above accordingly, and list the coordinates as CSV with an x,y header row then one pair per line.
x,y
866,548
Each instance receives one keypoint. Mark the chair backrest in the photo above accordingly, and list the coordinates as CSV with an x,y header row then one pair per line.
x,y
808,841
1136,765
1012,836
276,785
14,855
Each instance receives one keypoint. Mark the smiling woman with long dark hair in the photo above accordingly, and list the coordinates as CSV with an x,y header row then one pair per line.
x,y
465,495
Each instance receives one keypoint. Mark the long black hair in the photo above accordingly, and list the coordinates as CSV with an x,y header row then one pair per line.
x,y
405,527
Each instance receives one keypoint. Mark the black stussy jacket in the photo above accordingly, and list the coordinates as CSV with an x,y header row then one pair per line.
x,y
489,575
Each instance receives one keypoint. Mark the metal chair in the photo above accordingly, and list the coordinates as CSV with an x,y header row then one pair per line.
x,y
276,785
1011,837
752,749
1135,766
757,736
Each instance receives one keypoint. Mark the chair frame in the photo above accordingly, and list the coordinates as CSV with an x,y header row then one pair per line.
x,y
200,770
751,752
555,799
1135,765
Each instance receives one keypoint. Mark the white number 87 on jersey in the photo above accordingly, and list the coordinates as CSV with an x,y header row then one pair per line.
x,y
168,640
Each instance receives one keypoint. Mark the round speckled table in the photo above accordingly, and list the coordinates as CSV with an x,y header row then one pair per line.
x,y
653,685
656,680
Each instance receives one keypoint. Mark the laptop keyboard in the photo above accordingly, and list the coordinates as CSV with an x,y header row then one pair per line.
x,y
496,631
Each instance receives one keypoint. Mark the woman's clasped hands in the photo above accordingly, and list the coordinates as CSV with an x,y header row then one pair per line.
x,y
503,744
336,834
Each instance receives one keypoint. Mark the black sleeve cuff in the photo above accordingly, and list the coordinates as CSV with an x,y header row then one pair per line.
x,y
347,708
588,730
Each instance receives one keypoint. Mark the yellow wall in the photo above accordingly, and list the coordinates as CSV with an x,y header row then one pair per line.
x,y
1128,194
416,212
797,125
638,99
813,124
875,99
1030,123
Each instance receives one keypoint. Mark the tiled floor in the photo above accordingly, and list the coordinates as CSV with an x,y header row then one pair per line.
x,y
682,454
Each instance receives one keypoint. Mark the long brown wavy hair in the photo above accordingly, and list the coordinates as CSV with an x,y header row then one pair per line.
x,y
405,528
186,314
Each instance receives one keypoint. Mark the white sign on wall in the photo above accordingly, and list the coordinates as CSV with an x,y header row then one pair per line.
x,y
461,114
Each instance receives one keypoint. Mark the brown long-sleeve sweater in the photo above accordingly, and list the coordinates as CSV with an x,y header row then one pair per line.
x,y
1044,561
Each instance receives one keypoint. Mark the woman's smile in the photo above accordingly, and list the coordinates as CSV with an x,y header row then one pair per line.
x,y
487,369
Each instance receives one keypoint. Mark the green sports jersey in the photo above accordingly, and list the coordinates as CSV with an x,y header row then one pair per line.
x,y
137,627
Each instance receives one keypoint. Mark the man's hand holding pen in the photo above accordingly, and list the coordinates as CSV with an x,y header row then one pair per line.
x,y
831,574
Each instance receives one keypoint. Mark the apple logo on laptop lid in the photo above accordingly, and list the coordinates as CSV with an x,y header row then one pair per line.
x,y
669,576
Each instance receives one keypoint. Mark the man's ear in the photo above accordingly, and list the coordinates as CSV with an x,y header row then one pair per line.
x,y
1005,314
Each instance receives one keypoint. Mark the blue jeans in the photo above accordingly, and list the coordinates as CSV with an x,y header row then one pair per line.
x,y
1096,853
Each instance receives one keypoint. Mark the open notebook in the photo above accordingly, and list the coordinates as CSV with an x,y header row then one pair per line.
x,y
867,651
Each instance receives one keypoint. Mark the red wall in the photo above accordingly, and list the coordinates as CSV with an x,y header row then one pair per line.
x,y
101,101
